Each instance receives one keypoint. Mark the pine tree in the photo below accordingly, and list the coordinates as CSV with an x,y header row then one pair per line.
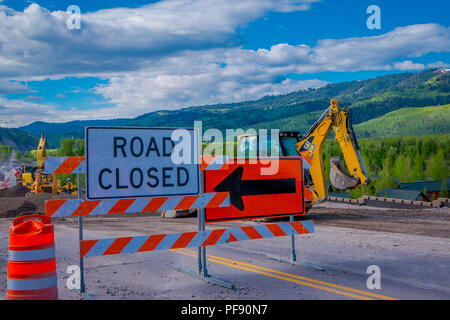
x,y
437,168
79,147
418,168
66,148
444,190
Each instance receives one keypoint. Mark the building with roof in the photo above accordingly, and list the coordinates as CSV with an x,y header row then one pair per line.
x,y
339,194
433,188
414,195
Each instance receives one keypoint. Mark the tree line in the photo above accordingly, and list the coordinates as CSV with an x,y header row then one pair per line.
x,y
390,161
5,152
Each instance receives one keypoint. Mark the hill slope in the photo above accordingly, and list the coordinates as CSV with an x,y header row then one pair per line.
x,y
407,122
18,139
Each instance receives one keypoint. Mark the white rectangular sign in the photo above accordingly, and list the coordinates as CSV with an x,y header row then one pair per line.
x,y
136,162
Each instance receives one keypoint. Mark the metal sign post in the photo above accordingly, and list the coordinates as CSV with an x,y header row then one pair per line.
x,y
80,236
202,271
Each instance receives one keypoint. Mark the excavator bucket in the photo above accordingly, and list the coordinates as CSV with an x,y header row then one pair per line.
x,y
339,177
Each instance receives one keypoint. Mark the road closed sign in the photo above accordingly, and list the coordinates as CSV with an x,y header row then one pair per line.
x,y
136,162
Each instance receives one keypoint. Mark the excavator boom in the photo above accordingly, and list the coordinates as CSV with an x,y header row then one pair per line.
x,y
41,152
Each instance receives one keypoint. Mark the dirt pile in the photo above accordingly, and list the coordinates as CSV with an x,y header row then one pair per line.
x,y
17,191
14,202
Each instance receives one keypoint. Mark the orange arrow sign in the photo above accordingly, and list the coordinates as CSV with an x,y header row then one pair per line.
x,y
253,195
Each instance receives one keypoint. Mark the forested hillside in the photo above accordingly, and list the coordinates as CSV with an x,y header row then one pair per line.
x,y
407,122
18,139
5,152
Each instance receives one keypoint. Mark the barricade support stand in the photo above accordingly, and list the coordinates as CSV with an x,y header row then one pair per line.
x,y
202,270
293,257
83,292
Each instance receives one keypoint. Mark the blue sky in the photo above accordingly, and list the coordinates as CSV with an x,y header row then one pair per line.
x,y
153,55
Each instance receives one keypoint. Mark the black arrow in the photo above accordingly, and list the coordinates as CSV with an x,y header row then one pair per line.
x,y
237,187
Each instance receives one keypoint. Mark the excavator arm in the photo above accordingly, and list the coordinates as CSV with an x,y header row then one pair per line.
x,y
41,152
311,145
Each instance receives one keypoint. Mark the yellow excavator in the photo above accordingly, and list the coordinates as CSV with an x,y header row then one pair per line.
x,y
310,146
32,175
34,178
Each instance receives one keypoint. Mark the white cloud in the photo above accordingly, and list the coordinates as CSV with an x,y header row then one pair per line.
x,y
408,65
35,98
438,64
139,93
15,113
36,42
379,52
10,87
196,77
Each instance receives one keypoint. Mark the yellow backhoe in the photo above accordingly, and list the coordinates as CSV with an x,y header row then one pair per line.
x,y
310,145
34,178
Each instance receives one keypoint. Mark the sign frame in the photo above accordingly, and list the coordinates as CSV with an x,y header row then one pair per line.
x,y
301,192
196,162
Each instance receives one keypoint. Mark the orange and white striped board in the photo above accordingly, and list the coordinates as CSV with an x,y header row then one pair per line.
x,y
103,247
78,207
64,165
213,163
68,165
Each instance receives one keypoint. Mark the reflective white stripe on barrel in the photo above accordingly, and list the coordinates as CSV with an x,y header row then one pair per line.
x,y
30,255
34,284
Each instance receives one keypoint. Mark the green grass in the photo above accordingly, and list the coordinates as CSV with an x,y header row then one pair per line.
x,y
407,122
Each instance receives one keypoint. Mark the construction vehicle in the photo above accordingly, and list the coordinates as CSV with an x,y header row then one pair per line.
x,y
34,178
310,147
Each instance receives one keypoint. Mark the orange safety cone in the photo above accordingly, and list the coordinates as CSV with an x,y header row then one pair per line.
x,y
32,262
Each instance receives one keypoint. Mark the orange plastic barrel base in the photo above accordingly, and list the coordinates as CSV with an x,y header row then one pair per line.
x,y
41,294
32,263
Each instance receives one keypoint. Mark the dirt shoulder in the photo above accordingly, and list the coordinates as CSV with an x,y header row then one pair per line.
x,y
32,204
433,222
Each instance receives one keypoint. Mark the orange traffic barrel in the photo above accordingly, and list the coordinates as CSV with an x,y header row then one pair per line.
x,y
31,261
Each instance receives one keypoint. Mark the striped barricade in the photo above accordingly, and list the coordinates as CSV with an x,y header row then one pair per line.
x,y
64,165
214,163
68,165
112,246
78,207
